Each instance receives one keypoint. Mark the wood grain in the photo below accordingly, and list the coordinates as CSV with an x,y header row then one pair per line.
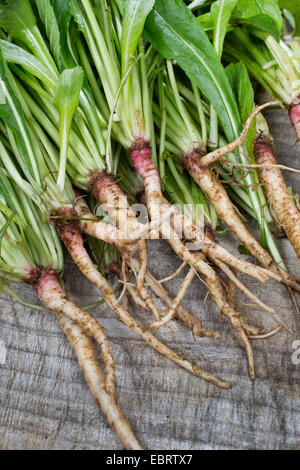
x,y
45,404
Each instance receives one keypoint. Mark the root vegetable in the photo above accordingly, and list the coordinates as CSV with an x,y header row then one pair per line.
x,y
142,160
74,243
54,297
218,196
294,112
280,201
95,378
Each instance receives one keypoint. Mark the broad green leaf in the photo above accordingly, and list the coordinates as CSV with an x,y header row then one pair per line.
x,y
63,10
175,32
78,16
242,87
251,8
197,3
221,12
120,5
17,18
49,20
17,55
257,11
67,100
12,113
263,23
136,12
206,21
294,7
61,16
59,12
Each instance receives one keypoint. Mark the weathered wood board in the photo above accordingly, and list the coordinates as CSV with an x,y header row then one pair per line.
x,y
45,403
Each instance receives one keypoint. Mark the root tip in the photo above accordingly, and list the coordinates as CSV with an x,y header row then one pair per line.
x,y
228,385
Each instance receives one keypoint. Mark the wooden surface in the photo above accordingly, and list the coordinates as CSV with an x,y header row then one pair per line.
x,y
45,403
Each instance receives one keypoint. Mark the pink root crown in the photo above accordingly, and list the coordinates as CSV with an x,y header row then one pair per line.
x,y
295,115
31,275
101,183
66,215
48,279
191,159
141,157
263,143
263,151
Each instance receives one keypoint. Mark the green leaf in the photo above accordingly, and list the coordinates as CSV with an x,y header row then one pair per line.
x,y
242,87
197,3
5,111
78,16
8,194
4,229
5,210
263,23
67,99
49,20
221,12
18,20
206,21
62,17
136,12
17,55
263,14
263,236
175,32
292,6
250,8
120,5
12,114
63,10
